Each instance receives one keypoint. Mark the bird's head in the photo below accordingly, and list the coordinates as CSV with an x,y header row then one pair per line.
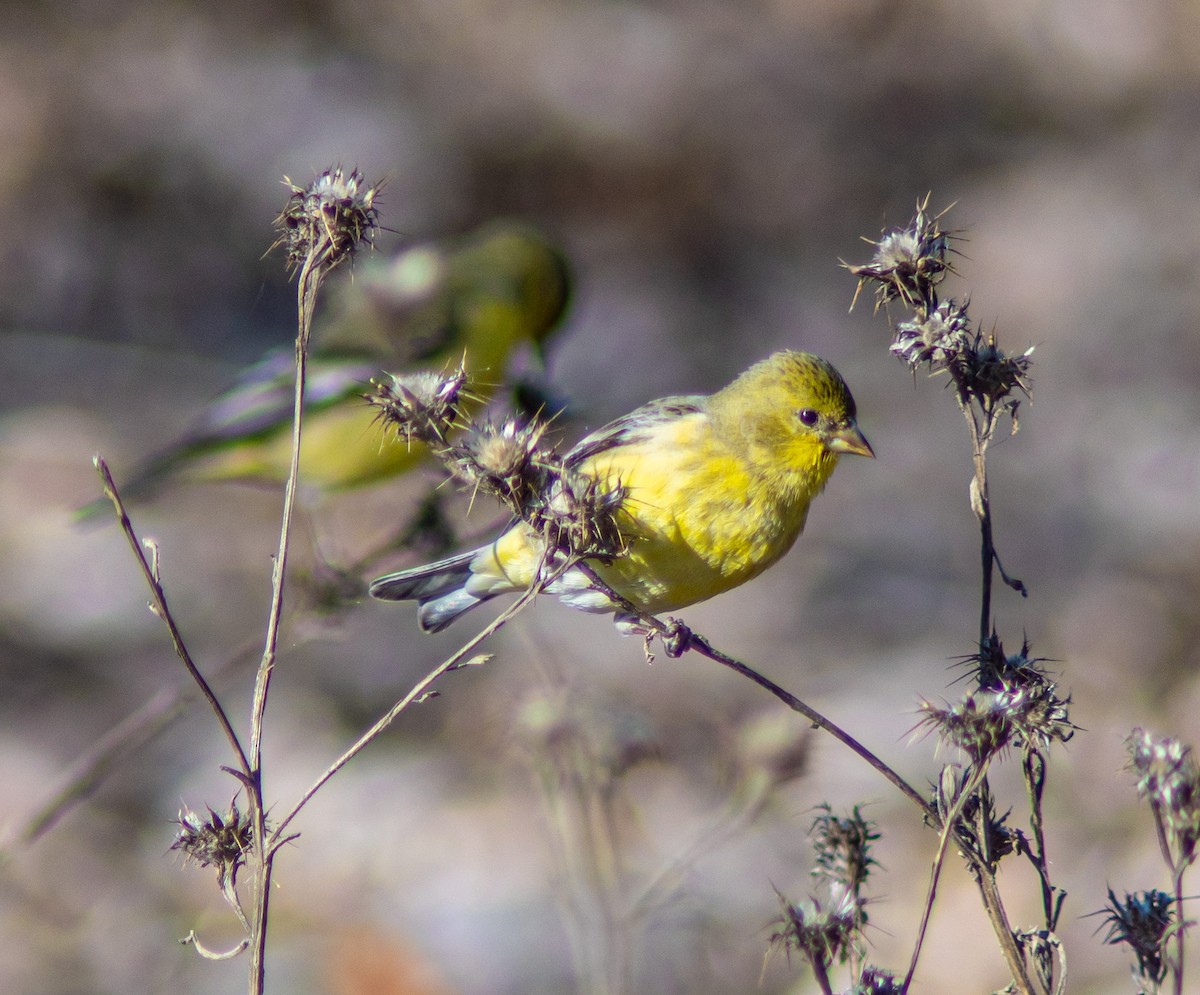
x,y
796,413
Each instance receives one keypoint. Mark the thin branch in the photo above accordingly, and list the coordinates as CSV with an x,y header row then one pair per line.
x,y
90,769
948,827
160,608
678,638
308,284
417,693
701,645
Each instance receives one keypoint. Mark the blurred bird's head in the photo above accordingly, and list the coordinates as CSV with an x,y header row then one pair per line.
x,y
481,295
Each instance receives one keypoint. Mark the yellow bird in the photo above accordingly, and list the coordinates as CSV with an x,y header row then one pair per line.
x,y
715,489
474,300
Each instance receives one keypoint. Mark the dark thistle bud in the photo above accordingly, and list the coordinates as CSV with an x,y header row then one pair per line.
x,y
1143,922
985,372
220,841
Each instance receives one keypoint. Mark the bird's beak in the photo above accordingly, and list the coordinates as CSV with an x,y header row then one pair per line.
x,y
849,439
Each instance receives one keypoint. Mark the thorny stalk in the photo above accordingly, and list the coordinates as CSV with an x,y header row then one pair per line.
x,y
321,226
1169,779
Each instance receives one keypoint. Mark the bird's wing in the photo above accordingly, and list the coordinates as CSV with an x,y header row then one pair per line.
x,y
637,426
263,397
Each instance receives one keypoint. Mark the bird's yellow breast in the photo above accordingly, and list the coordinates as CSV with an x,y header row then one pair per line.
x,y
700,516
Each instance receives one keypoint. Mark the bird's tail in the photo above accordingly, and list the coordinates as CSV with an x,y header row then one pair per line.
x,y
440,589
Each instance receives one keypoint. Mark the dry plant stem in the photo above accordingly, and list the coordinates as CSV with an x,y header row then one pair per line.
x,y
1004,933
418,691
821,974
939,860
1034,768
163,611
1179,933
699,644
307,285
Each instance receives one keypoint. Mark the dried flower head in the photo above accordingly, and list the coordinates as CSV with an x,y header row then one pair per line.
x,y
821,936
978,724
986,722
220,841
909,262
1144,922
504,459
986,371
937,338
579,516
842,846
328,220
1015,704
422,406
1169,778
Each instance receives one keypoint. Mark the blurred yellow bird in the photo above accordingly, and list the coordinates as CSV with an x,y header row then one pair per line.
x,y
715,489
473,301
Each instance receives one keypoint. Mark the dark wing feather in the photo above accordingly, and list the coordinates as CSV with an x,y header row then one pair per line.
x,y
636,426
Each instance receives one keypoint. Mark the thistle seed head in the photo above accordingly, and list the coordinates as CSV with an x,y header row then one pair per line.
x,y
421,406
328,220
215,840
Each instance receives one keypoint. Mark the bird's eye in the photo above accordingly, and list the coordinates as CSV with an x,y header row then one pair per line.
x,y
808,416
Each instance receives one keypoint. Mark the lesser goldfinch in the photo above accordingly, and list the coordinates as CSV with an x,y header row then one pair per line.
x,y
715,489
472,300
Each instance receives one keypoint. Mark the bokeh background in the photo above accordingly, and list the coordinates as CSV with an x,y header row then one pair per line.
x,y
705,165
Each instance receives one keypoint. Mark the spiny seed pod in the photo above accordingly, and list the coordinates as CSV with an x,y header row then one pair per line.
x,y
328,220
220,841
504,459
422,405
937,338
909,262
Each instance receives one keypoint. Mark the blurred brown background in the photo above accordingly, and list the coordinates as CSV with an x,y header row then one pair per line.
x,y
705,165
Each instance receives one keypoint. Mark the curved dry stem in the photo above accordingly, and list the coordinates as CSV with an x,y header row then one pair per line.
x,y
192,940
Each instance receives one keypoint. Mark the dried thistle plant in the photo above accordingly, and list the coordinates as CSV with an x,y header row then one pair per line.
x,y
1168,777
829,932
1015,705
575,514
